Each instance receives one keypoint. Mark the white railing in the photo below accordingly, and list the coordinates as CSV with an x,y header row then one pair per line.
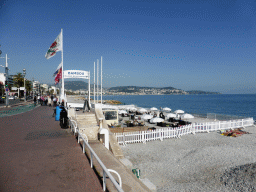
x,y
106,172
160,134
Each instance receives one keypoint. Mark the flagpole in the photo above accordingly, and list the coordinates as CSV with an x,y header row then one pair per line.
x,y
89,84
94,85
97,80
101,79
62,75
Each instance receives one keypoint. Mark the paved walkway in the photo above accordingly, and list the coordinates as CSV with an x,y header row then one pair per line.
x,y
37,155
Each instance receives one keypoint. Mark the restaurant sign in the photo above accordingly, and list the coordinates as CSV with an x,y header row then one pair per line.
x,y
76,74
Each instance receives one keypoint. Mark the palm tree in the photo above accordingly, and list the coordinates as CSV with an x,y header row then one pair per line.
x,y
18,80
28,86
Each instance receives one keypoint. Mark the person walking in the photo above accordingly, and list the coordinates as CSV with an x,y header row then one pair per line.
x,y
35,99
38,99
52,100
55,101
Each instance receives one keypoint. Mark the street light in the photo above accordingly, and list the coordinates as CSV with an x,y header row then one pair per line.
x,y
24,73
7,78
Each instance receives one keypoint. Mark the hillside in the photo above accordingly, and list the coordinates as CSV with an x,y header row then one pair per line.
x,y
197,92
77,85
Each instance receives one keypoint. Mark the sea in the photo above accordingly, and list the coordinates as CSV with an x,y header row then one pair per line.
x,y
230,105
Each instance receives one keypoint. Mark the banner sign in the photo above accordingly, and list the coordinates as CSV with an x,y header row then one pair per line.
x,y
76,74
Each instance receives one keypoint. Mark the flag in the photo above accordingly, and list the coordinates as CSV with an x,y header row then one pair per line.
x,y
58,76
57,70
55,47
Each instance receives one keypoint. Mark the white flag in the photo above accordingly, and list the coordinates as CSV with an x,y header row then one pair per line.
x,y
55,47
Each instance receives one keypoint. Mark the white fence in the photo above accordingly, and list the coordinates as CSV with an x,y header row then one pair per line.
x,y
160,134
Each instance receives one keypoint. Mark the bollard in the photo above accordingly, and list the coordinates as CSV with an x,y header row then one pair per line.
x,y
136,172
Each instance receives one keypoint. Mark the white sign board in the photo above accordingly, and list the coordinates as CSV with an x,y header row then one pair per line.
x,y
76,74
14,88
22,88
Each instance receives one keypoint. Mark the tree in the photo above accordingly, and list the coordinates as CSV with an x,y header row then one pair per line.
x,y
51,92
1,88
43,90
18,80
28,86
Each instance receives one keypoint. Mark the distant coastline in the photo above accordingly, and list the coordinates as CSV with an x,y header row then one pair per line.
x,y
163,94
82,87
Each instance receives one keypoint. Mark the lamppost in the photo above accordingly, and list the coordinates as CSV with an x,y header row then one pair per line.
x,y
33,88
24,73
6,82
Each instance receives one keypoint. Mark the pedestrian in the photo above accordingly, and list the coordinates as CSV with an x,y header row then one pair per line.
x,y
42,100
38,99
46,100
52,100
35,99
62,102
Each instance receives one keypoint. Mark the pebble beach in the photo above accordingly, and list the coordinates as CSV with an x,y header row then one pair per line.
x,y
200,162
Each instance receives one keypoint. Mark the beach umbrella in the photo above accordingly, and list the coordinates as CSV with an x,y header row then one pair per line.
x,y
156,120
122,112
153,109
109,107
133,109
187,116
166,109
142,110
171,115
146,117
179,111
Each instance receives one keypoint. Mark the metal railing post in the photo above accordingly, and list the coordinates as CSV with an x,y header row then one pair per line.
x,y
104,181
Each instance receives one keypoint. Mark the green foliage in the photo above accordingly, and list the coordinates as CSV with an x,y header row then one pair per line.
x,y
18,80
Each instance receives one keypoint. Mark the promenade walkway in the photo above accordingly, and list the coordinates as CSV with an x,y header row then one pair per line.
x,y
37,155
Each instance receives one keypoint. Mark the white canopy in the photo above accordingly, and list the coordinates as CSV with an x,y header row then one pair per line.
x,y
166,109
142,110
156,120
109,107
132,109
179,111
171,115
153,109
122,112
145,116
187,116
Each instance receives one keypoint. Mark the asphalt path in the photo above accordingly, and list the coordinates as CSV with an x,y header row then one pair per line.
x,y
37,155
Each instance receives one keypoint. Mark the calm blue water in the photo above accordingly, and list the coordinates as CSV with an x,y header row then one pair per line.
x,y
229,104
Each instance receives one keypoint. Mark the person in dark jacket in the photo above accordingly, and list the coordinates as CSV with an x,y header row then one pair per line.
x,y
35,99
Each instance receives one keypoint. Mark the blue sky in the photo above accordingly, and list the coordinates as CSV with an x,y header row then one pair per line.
x,y
187,44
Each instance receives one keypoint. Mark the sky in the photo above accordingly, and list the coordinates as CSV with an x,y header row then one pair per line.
x,y
204,45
